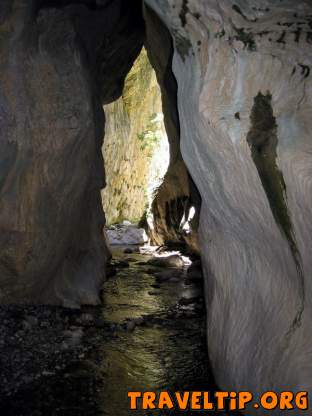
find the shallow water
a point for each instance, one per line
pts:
(165, 352)
(168, 355)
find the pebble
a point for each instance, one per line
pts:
(32, 320)
(111, 271)
(122, 264)
(173, 275)
(139, 321)
(99, 323)
(128, 251)
(130, 326)
(156, 286)
(188, 301)
(151, 271)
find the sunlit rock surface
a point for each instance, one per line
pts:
(135, 149)
(171, 218)
(126, 235)
(244, 99)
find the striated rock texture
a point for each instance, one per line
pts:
(52, 247)
(134, 132)
(244, 97)
(177, 194)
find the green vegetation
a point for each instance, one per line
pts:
(151, 136)
(137, 81)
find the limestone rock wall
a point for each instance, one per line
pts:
(52, 246)
(244, 97)
(134, 131)
(177, 196)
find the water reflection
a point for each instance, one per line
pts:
(167, 352)
(168, 355)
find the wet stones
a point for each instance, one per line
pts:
(153, 292)
(38, 342)
(72, 338)
(150, 271)
(29, 322)
(122, 264)
(168, 275)
(128, 250)
(194, 272)
(111, 271)
(155, 286)
(130, 326)
(169, 261)
(189, 301)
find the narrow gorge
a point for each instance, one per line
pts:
(185, 125)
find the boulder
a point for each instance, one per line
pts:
(194, 271)
(127, 235)
(169, 261)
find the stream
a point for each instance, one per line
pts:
(168, 353)
(146, 336)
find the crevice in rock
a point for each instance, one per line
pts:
(177, 185)
(262, 139)
(238, 10)
(136, 149)
(183, 12)
(246, 37)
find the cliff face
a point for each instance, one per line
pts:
(244, 101)
(176, 206)
(52, 60)
(139, 182)
(134, 135)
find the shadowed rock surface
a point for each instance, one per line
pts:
(52, 248)
(177, 194)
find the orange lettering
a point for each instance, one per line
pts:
(221, 396)
(195, 403)
(244, 397)
(134, 395)
(286, 400)
(207, 403)
(182, 402)
(233, 400)
(148, 400)
(165, 400)
(269, 400)
(302, 400)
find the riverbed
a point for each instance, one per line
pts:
(147, 335)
